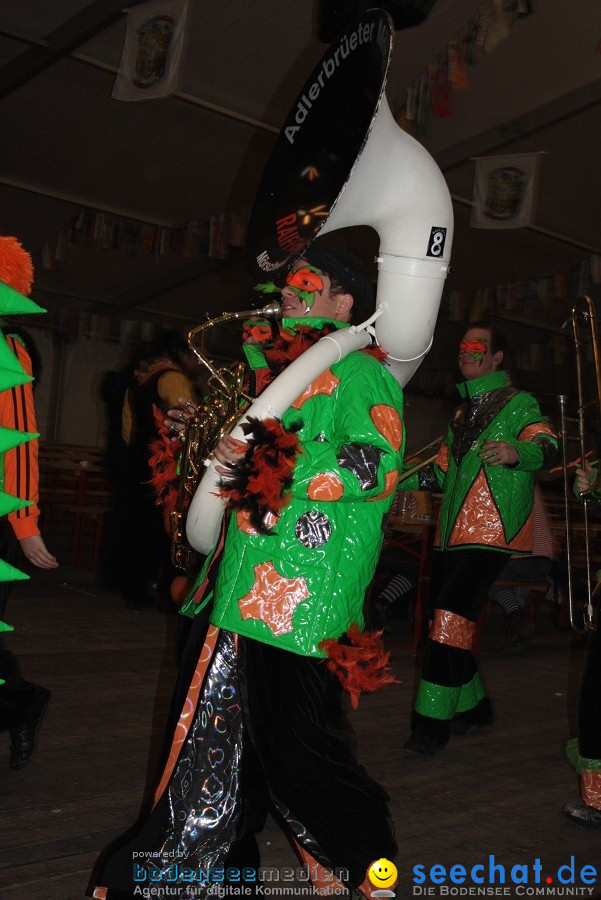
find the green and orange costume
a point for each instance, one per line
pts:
(18, 457)
(277, 615)
(486, 515)
(305, 581)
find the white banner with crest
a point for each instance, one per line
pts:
(504, 191)
(153, 49)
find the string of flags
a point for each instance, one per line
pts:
(529, 302)
(429, 95)
(77, 325)
(111, 233)
(525, 299)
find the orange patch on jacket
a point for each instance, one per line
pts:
(273, 598)
(244, 524)
(531, 431)
(325, 486)
(388, 422)
(326, 383)
(479, 521)
(442, 457)
(392, 479)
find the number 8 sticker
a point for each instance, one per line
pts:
(436, 243)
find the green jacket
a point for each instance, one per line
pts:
(306, 582)
(488, 506)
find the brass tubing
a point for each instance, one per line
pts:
(212, 419)
(424, 463)
(582, 313)
(567, 512)
(271, 310)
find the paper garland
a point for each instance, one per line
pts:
(429, 95)
(107, 232)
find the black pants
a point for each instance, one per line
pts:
(589, 715)
(450, 684)
(296, 760)
(16, 693)
(145, 551)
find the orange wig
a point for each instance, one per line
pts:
(16, 266)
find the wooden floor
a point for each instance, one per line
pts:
(497, 792)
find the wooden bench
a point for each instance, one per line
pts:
(87, 519)
(73, 483)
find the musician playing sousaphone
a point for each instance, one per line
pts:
(305, 478)
(284, 597)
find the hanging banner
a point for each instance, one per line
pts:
(504, 191)
(153, 49)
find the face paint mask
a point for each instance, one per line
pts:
(476, 348)
(256, 332)
(306, 282)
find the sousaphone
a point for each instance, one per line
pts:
(340, 161)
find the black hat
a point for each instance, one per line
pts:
(342, 266)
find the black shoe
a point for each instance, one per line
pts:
(423, 744)
(472, 720)
(463, 724)
(24, 736)
(582, 814)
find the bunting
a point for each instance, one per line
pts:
(429, 95)
(525, 299)
(110, 233)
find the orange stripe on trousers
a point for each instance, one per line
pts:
(453, 630)
(189, 708)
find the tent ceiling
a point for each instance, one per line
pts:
(67, 144)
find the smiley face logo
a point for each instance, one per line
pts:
(382, 873)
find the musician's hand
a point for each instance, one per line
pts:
(37, 553)
(498, 453)
(177, 418)
(228, 452)
(586, 478)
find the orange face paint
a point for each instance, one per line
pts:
(307, 281)
(476, 348)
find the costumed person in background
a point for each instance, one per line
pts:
(497, 440)
(258, 720)
(584, 752)
(164, 372)
(22, 703)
